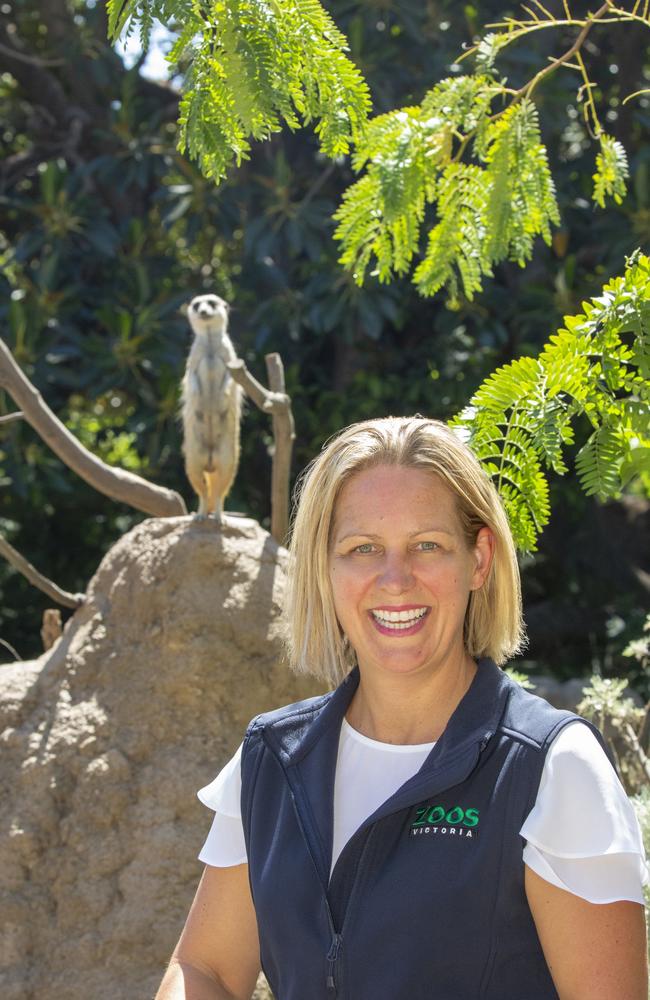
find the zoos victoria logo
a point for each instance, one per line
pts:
(438, 820)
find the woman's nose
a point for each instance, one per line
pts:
(396, 574)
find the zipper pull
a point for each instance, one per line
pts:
(332, 957)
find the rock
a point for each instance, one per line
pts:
(105, 740)
(561, 694)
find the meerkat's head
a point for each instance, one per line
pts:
(208, 314)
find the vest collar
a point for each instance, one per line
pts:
(474, 720)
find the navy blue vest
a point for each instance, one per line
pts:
(427, 898)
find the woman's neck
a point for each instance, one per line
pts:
(409, 709)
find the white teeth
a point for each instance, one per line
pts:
(399, 619)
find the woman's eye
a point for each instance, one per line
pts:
(429, 546)
(364, 548)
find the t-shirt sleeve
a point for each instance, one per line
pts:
(582, 834)
(224, 845)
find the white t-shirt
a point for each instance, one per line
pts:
(581, 835)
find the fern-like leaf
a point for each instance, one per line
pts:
(598, 463)
(521, 201)
(488, 49)
(455, 242)
(255, 65)
(612, 171)
(521, 418)
(400, 149)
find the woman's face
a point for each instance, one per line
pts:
(401, 571)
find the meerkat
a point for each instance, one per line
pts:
(211, 406)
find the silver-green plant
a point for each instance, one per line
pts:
(626, 726)
(624, 723)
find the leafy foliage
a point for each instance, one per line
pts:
(252, 66)
(596, 366)
(472, 146)
(641, 803)
(488, 211)
(520, 678)
(606, 704)
(612, 171)
(105, 233)
(640, 648)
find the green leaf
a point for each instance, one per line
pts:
(521, 418)
(612, 171)
(254, 66)
(455, 243)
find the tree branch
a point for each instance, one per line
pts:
(9, 418)
(526, 28)
(284, 435)
(32, 60)
(31, 573)
(528, 88)
(277, 403)
(3, 642)
(119, 484)
(263, 399)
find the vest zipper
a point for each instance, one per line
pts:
(337, 939)
(332, 958)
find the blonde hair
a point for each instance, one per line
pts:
(493, 622)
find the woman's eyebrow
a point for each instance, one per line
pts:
(356, 534)
(420, 531)
(431, 530)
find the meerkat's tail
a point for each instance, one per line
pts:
(208, 497)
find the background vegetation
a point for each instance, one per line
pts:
(106, 230)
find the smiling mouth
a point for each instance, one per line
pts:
(393, 622)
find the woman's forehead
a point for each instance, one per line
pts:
(390, 490)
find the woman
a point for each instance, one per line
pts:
(429, 829)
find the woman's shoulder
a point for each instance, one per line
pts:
(294, 710)
(534, 720)
(291, 723)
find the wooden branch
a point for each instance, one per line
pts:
(118, 484)
(577, 45)
(520, 28)
(277, 403)
(3, 642)
(32, 60)
(23, 566)
(284, 434)
(253, 389)
(9, 418)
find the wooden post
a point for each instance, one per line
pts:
(277, 403)
(284, 434)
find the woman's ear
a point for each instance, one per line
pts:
(484, 554)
